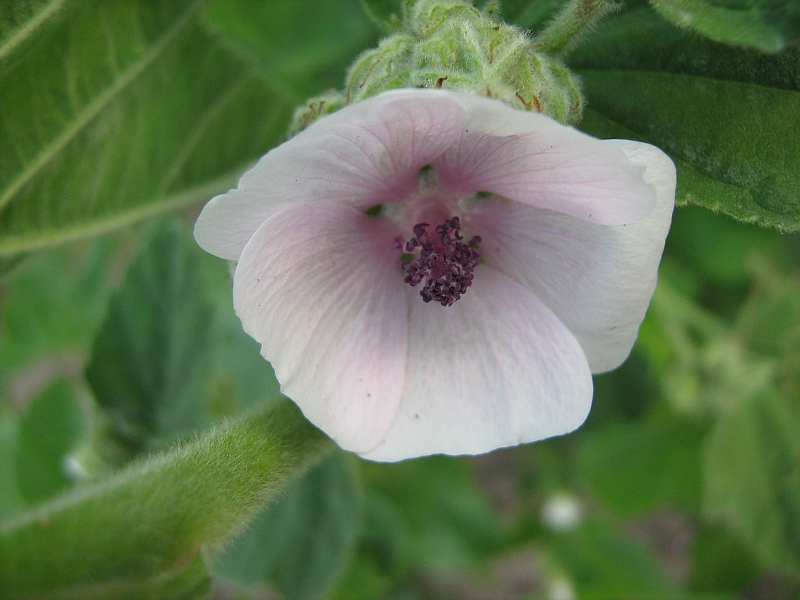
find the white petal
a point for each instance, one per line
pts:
(229, 220)
(598, 279)
(364, 154)
(495, 369)
(532, 159)
(321, 289)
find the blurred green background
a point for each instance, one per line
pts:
(119, 119)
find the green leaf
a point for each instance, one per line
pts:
(645, 465)
(49, 430)
(623, 394)
(121, 111)
(719, 248)
(302, 543)
(449, 521)
(187, 582)
(384, 13)
(242, 378)
(304, 47)
(73, 280)
(149, 366)
(719, 562)
(604, 563)
(153, 518)
(11, 499)
(770, 322)
(752, 479)
(8, 264)
(706, 366)
(730, 118)
(21, 21)
(762, 25)
(530, 14)
(380, 554)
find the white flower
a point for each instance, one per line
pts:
(563, 234)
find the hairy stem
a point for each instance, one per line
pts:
(157, 515)
(575, 20)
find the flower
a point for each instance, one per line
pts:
(544, 244)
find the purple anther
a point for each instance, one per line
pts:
(446, 264)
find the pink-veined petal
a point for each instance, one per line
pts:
(532, 159)
(495, 369)
(321, 289)
(598, 279)
(364, 154)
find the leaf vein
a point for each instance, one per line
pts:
(27, 30)
(94, 108)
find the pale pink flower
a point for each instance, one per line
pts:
(571, 232)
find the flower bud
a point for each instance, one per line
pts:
(450, 44)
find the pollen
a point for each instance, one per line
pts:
(444, 261)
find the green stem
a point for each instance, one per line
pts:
(575, 20)
(156, 516)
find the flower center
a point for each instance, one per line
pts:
(445, 262)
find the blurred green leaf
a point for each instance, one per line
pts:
(11, 499)
(770, 322)
(768, 25)
(187, 582)
(49, 430)
(449, 522)
(752, 478)
(149, 366)
(603, 563)
(21, 20)
(303, 47)
(624, 394)
(718, 248)
(730, 118)
(37, 295)
(706, 366)
(119, 112)
(142, 526)
(241, 376)
(719, 562)
(644, 465)
(302, 543)
(385, 13)
(8, 264)
(381, 554)
(530, 14)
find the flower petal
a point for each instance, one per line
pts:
(229, 220)
(364, 154)
(495, 369)
(321, 289)
(598, 279)
(532, 159)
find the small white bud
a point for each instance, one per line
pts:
(562, 512)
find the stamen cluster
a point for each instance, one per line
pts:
(445, 262)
